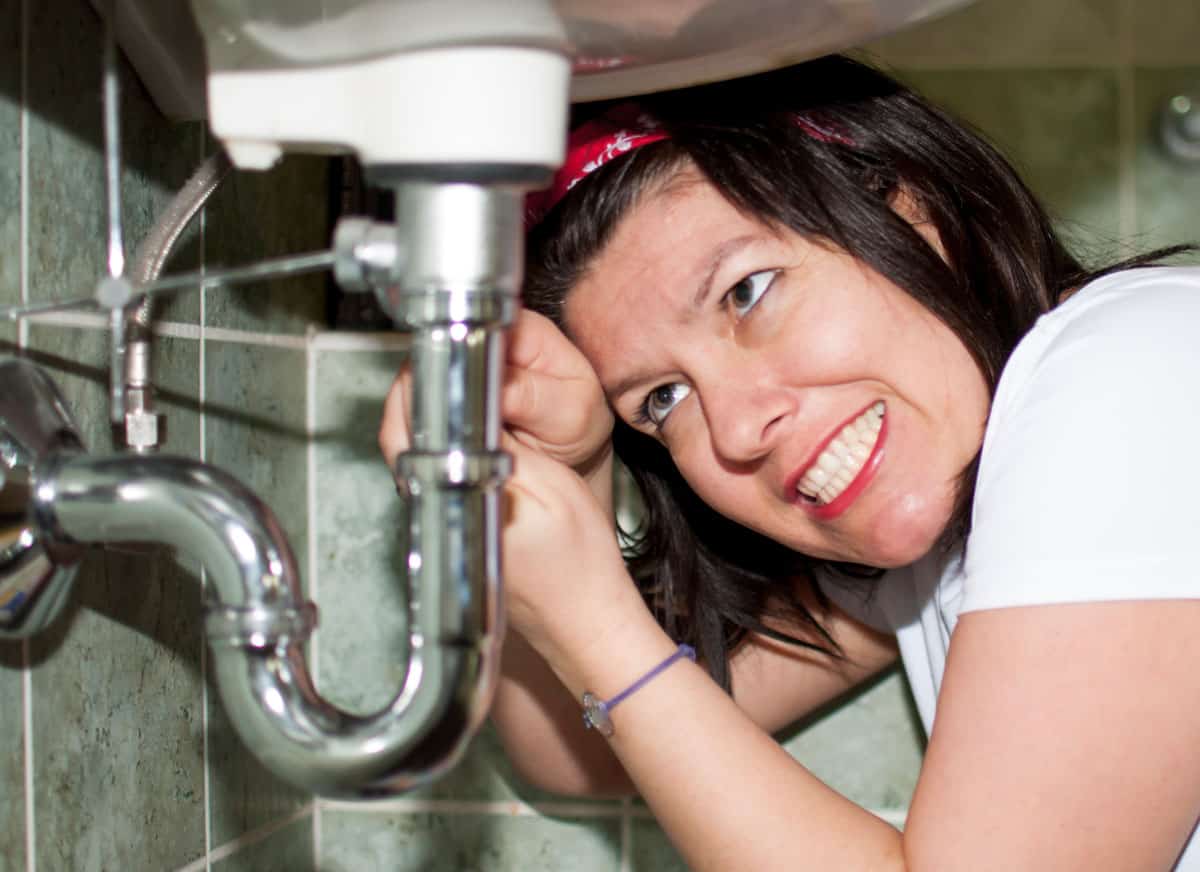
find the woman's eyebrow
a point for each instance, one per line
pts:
(723, 252)
(625, 385)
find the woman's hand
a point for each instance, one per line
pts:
(558, 427)
(561, 560)
(551, 400)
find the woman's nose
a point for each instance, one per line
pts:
(745, 417)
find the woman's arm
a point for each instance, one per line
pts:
(1061, 728)
(541, 724)
(1067, 737)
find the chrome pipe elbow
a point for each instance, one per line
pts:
(257, 628)
(455, 288)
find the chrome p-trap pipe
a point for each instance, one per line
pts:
(455, 287)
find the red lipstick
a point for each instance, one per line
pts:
(829, 511)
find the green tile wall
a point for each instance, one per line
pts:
(10, 156)
(1058, 127)
(254, 420)
(12, 657)
(456, 843)
(1167, 194)
(134, 765)
(255, 215)
(286, 849)
(117, 716)
(12, 758)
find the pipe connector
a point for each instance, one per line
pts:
(453, 469)
(1179, 127)
(366, 254)
(260, 627)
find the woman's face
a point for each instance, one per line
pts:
(763, 361)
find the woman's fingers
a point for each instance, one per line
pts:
(535, 342)
(395, 431)
(568, 418)
(551, 395)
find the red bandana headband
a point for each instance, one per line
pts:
(618, 131)
(590, 146)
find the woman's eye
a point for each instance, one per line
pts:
(660, 401)
(745, 295)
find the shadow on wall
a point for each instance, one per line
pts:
(63, 84)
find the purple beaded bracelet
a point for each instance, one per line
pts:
(595, 710)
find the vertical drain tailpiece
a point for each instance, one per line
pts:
(455, 287)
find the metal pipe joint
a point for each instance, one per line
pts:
(455, 288)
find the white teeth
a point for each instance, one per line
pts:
(843, 459)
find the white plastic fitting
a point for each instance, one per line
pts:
(459, 105)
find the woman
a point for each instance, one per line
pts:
(872, 405)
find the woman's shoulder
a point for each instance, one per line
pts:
(1141, 317)
(1074, 442)
(1127, 301)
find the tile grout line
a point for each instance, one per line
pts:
(519, 808)
(310, 424)
(246, 840)
(495, 807)
(27, 717)
(22, 341)
(173, 329)
(201, 364)
(361, 340)
(626, 835)
(321, 340)
(23, 196)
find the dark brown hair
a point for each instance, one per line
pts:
(709, 580)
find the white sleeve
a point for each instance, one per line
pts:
(1089, 483)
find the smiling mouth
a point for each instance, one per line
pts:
(841, 461)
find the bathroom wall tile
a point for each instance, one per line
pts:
(1165, 32)
(254, 414)
(1008, 33)
(10, 154)
(256, 215)
(361, 527)
(66, 183)
(12, 758)
(160, 156)
(118, 749)
(1168, 190)
(351, 841)
(651, 850)
(77, 361)
(290, 849)
(66, 166)
(1058, 127)
(175, 371)
(868, 748)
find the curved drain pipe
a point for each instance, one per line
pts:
(455, 271)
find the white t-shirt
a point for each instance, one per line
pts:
(1088, 485)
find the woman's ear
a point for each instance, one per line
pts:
(909, 207)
